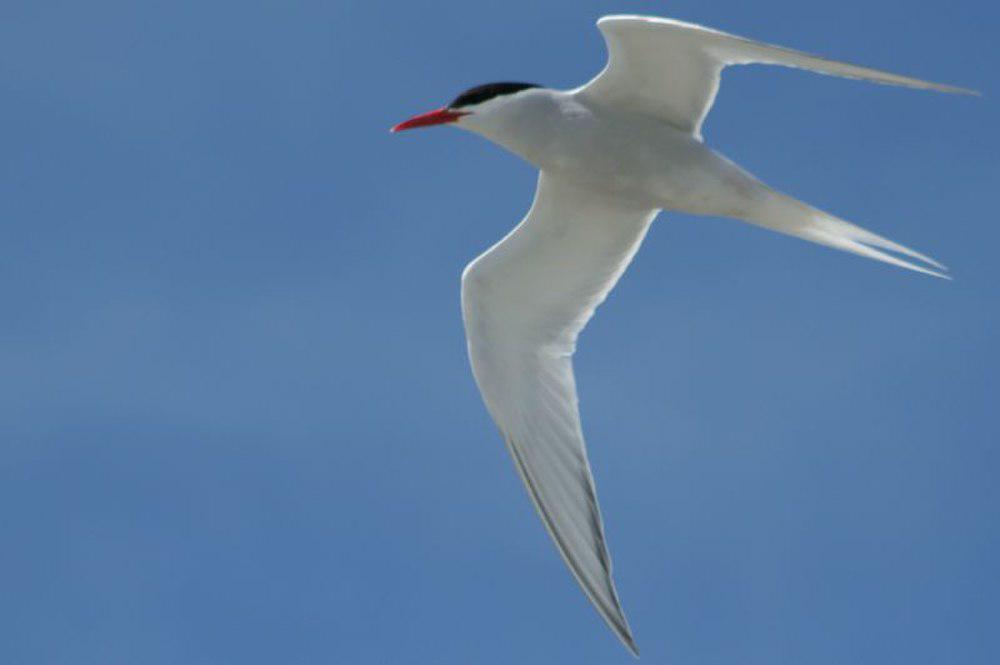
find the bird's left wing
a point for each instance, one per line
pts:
(524, 301)
(670, 69)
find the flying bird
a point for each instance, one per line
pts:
(611, 155)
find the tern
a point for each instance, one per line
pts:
(611, 155)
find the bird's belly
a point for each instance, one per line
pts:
(656, 165)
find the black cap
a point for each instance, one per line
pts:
(481, 93)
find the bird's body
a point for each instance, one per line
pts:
(611, 155)
(622, 153)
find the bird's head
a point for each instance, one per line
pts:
(474, 109)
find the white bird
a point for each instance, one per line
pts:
(611, 154)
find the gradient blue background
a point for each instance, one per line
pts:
(236, 419)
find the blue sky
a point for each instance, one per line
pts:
(236, 419)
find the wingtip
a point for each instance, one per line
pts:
(957, 90)
(624, 633)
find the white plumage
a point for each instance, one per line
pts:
(612, 154)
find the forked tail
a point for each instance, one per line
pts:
(786, 215)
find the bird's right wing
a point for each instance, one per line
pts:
(670, 69)
(524, 302)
